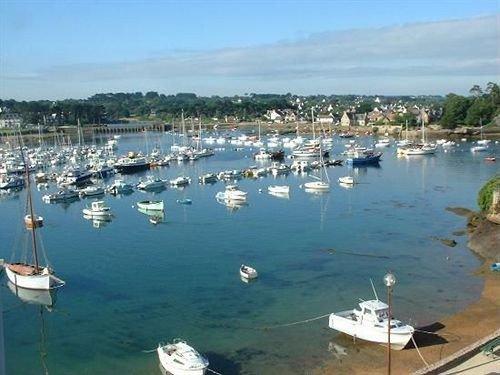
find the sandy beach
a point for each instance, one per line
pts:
(452, 333)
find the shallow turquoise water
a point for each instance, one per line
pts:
(131, 284)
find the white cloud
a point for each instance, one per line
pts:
(455, 48)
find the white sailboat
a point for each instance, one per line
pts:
(321, 185)
(31, 275)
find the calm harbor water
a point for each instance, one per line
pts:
(131, 284)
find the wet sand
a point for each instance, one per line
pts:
(454, 332)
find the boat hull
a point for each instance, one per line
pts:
(151, 206)
(43, 281)
(128, 169)
(352, 328)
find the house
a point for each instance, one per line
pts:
(275, 115)
(10, 120)
(354, 119)
(325, 119)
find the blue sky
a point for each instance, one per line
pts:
(63, 49)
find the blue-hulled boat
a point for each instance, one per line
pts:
(365, 157)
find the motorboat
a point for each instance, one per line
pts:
(479, 148)
(151, 183)
(151, 205)
(120, 187)
(364, 157)
(348, 180)
(180, 181)
(263, 154)
(91, 191)
(11, 182)
(385, 142)
(97, 209)
(74, 177)
(61, 196)
(370, 323)
(207, 178)
(317, 186)
(132, 163)
(178, 358)
(278, 189)
(232, 193)
(248, 272)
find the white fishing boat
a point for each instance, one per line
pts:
(348, 180)
(248, 272)
(178, 358)
(26, 274)
(151, 205)
(232, 193)
(278, 189)
(97, 209)
(370, 323)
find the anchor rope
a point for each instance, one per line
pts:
(418, 351)
(295, 323)
(437, 333)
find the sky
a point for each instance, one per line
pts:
(74, 49)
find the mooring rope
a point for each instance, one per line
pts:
(295, 323)
(148, 351)
(215, 372)
(418, 351)
(333, 251)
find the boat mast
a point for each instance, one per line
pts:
(312, 119)
(30, 205)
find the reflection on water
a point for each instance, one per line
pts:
(136, 283)
(45, 298)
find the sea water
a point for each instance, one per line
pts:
(131, 284)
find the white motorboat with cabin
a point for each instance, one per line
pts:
(232, 193)
(151, 183)
(370, 323)
(91, 191)
(97, 209)
(178, 358)
(248, 272)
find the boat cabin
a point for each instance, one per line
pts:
(373, 311)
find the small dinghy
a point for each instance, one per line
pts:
(151, 205)
(178, 358)
(248, 272)
(36, 222)
(184, 201)
(490, 158)
(495, 267)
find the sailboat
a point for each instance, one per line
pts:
(321, 184)
(482, 144)
(31, 275)
(421, 149)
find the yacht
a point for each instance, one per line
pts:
(131, 163)
(178, 358)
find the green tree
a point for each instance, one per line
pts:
(485, 195)
(454, 111)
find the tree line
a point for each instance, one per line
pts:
(478, 108)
